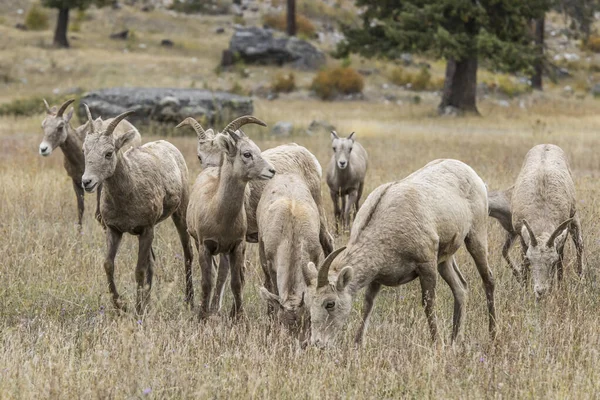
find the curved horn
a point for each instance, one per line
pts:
(323, 277)
(350, 136)
(241, 121)
(62, 108)
(194, 124)
(532, 237)
(558, 231)
(90, 119)
(48, 110)
(113, 124)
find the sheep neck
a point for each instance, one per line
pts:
(71, 149)
(362, 267)
(230, 192)
(121, 182)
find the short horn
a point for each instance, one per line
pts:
(241, 121)
(90, 119)
(532, 237)
(48, 110)
(558, 231)
(62, 108)
(113, 124)
(323, 277)
(194, 124)
(350, 136)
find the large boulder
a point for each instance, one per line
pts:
(165, 105)
(260, 46)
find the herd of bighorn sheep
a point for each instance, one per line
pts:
(405, 230)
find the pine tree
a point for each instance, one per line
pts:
(62, 22)
(461, 31)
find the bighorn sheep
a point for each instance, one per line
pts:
(216, 215)
(58, 132)
(288, 158)
(542, 209)
(142, 187)
(405, 230)
(346, 177)
(288, 226)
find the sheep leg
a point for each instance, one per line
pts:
(113, 240)
(206, 267)
(370, 294)
(526, 270)
(97, 214)
(427, 278)
(476, 243)
(575, 230)
(350, 204)
(80, 204)
(144, 269)
(267, 273)
(179, 220)
(517, 272)
(337, 212)
(236, 260)
(358, 196)
(222, 273)
(559, 264)
(344, 212)
(451, 274)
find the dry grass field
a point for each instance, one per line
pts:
(60, 337)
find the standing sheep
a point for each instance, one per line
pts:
(406, 230)
(216, 217)
(543, 209)
(142, 187)
(346, 177)
(288, 226)
(58, 132)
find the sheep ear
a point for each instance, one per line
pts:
(560, 239)
(120, 141)
(344, 278)
(350, 137)
(334, 135)
(226, 144)
(525, 235)
(69, 115)
(270, 297)
(310, 273)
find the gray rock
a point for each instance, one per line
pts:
(319, 126)
(406, 58)
(219, 30)
(282, 128)
(260, 46)
(596, 90)
(165, 105)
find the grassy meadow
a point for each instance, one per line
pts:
(61, 338)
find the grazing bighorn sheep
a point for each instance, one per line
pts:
(288, 226)
(405, 230)
(216, 217)
(58, 132)
(542, 210)
(287, 158)
(346, 177)
(141, 187)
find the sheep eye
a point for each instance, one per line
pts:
(108, 155)
(330, 305)
(199, 158)
(334, 149)
(247, 154)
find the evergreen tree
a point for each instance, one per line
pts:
(461, 31)
(62, 22)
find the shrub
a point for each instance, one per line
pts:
(328, 83)
(505, 85)
(593, 44)
(75, 26)
(418, 81)
(284, 83)
(36, 18)
(279, 22)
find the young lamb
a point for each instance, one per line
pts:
(542, 209)
(58, 133)
(216, 216)
(288, 226)
(346, 177)
(142, 187)
(406, 230)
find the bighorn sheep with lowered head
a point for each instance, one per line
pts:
(543, 209)
(287, 158)
(216, 217)
(405, 230)
(142, 187)
(346, 177)
(58, 132)
(288, 226)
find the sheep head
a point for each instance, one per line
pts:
(342, 147)
(209, 154)
(292, 312)
(543, 253)
(330, 300)
(100, 149)
(54, 126)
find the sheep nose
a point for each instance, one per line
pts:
(342, 163)
(272, 170)
(86, 182)
(43, 149)
(539, 291)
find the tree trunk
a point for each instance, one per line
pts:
(536, 78)
(460, 87)
(291, 17)
(62, 24)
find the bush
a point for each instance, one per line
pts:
(593, 44)
(36, 18)
(31, 105)
(75, 26)
(329, 83)
(279, 22)
(418, 81)
(284, 83)
(505, 85)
